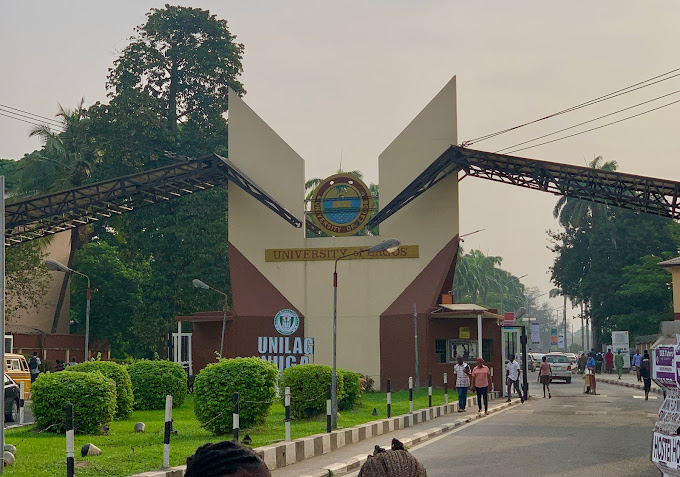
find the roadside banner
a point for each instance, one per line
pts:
(535, 333)
(509, 319)
(621, 342)
(553, 337)
(560, 341)
(663, 368)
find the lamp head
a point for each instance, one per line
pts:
(391, 245)
(55, 266)
(199, 284)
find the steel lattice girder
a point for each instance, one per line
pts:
(53, 213)
(628, 191)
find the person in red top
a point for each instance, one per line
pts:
(545, 375)
(481, 377)
(609, 361)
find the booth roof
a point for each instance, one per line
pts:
(463, 310)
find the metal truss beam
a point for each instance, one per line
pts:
(49, 214)
(628, 191)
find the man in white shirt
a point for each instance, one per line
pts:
(512, 377)
(462, 373)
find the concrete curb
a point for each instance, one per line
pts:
(342, 468)
(656, 389)
(282, 454)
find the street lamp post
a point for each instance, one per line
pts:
(55, 266)
(199, 284)
(390, 245)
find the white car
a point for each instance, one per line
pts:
(561, 366)
(572, 358)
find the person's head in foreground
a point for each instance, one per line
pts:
(396, 462)
(225, 459)
(480, 362)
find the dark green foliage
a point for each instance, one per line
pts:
(119, 375)
(153, 380)
(92, 394)
(253, 378)
(352, 389)
(116, 304)
(307, 383)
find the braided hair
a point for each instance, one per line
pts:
(396, 462)
(225, 459)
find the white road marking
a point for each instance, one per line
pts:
(642, 397)
(592, 412)
(649, 414)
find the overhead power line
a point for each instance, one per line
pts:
(613, 94)
(587, 122)
(593, 129)
(2, 113)
(32, 116)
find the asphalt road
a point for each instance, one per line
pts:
(572, 434)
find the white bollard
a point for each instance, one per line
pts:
(287, 424)
(168, 430)
(21, 402)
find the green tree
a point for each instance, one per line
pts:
(186, 59)
(26, 278)
(578, 212)
(116, 303)
(62, 163)
(479, 279)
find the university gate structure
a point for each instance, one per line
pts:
(282, 257)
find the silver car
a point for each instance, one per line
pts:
(561, 366)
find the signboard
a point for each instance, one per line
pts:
(464, 332)
(509, 319)
(553, 336)
(663, 368)
(666, 451)
(620, 342)
(560, 341)
(285, 350)
(333, 253)
(535, 333)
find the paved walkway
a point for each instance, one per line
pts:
(356, 453)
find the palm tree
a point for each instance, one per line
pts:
(62, 163)
(577, 212)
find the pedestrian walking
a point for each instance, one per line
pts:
(395, 462)
(545, 376)
(59, 366)
(481, 377)
(618, 363)
(646, 373)
(599, 362)
(512, 373)
(462, 373)
(609, 361)
(33, 366)
(225, 459)
(637, 361)
(582, 363)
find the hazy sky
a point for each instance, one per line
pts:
(348, 76)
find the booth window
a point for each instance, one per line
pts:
(487, 350)
(440, 351)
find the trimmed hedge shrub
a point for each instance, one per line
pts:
(153, 380)
(307, 383)
(253, 378)
(119, 375)
(352, 389)
(93, 397)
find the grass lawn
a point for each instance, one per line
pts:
(124, 452)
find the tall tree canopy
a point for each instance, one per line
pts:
(605, 259)
(184, 57)
(479, 279)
